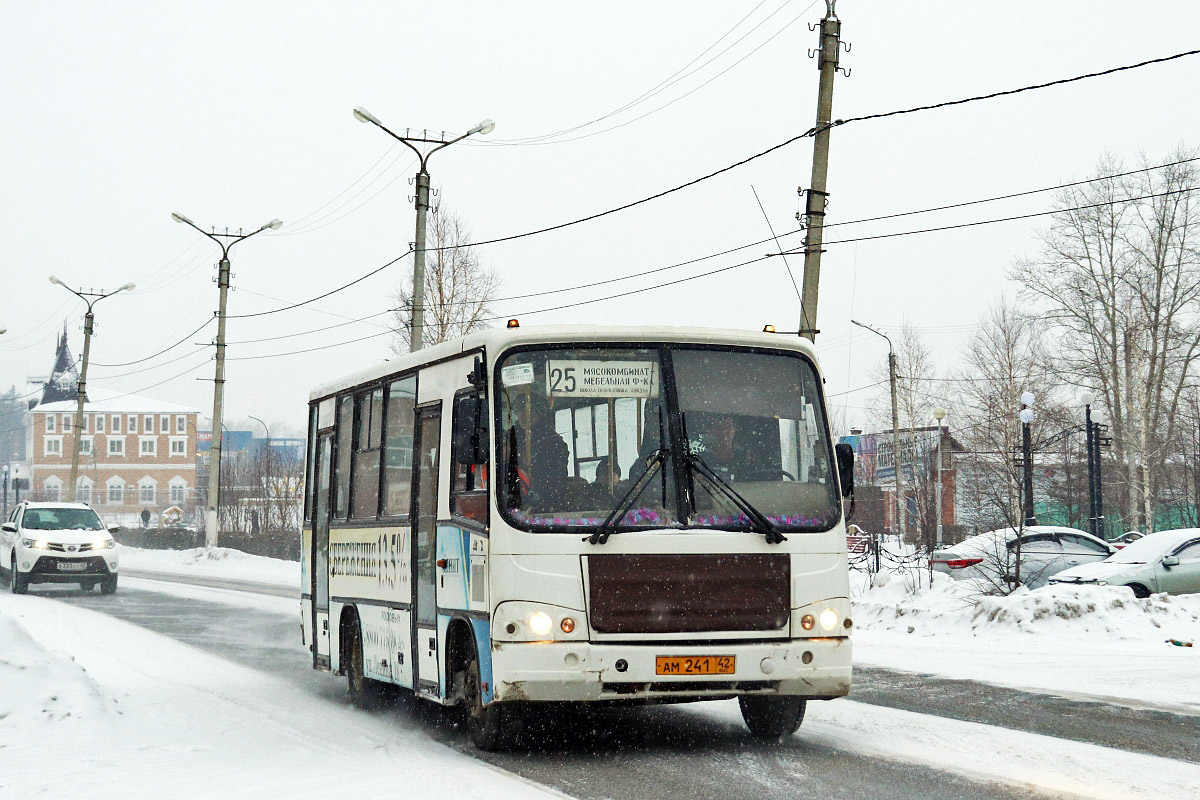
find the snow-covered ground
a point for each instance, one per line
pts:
(93, 707)
(217, 562)
(1081, 641)
(145, 716)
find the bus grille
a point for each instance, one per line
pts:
(689, 593)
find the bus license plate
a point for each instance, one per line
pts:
(694, 665)
(71, 566)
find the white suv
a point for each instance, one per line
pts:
(58, 543)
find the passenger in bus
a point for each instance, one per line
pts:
(548, 456)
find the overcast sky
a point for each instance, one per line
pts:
(117, 114)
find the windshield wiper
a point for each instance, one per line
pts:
(607, 528)
(761, 523)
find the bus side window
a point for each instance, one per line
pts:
(345, 435)
(368, 413)
(398, 447)
(468, 494)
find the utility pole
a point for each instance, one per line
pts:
(1026, 417)
(901, 500)
(416, 334)
(814, 207)
(89, 320)
(225, 241)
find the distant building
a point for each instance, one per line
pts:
(135, 452)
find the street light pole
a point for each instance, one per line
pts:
(266, 469)
(89, 320)
(417, 324)
(1026, 417)
(901, 500)
(225, 241)
(1088, 398)
(939, 414)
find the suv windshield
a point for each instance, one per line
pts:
(578, 428)
(61, 519)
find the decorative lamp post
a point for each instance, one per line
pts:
(417, 321)
(1026, 417)
(901, 501)
(89, 320)
(1088, 398)
(939, 414)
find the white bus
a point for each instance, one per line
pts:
(581, 514)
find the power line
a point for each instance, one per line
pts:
(807, 134)
(160, 352)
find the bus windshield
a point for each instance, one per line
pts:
(662, 437)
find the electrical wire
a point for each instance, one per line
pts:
(807, 134)
(160, 352)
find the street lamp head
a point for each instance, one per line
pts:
(939, 414)
(1087, 398)
(1027, 398)
(129, 287)
(485, 127)
(1099, 417)
(55, 280)
(181, 218)
(275, 224)
(362, 115)
(1026, 415)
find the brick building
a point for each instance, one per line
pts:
(136, 453)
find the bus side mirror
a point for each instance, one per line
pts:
(1171, 561)
(845, 465)
(469, 447)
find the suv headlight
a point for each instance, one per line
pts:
(104, 544)
(36, 544)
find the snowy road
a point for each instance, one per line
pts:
(844, 750)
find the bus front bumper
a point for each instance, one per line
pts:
(817, 668)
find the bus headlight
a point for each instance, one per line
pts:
(540, 623)
(829, 619)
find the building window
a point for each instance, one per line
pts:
(87, 422)
(116, 423)
(180, 423)
(146, 491)
(52, 489)
(85, 445)
(99, 423)
(116, 446)
(132, 423)
(83, 493)
(51, 423)
(148, 446)
(178, 493)
(178, 446)
(148, 424)
(164, 424)
(116, 491)
(68, 421)
(52, 445)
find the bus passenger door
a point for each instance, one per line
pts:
(427, 452)
(319, 557)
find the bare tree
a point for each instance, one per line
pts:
(459, 289)
(1119, 276)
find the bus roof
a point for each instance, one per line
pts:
(494, 340)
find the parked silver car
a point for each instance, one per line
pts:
(1166, 561)
(988, 561)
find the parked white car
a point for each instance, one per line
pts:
(1166, 561)
(988, 561)
(57, 543)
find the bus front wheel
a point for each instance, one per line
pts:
(772, 717)
(363, 691)
(488, 723)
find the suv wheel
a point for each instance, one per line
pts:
(108, 585)
(17, 582)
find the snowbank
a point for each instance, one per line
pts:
(1094, 642)
(216, 562)
(94, 707)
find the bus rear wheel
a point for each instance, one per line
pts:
(488, 724)
(772, 717)
(363, 691)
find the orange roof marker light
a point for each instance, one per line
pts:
(512, 323)
(768, 328)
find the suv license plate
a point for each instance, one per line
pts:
(71, 566)
(694, 665)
